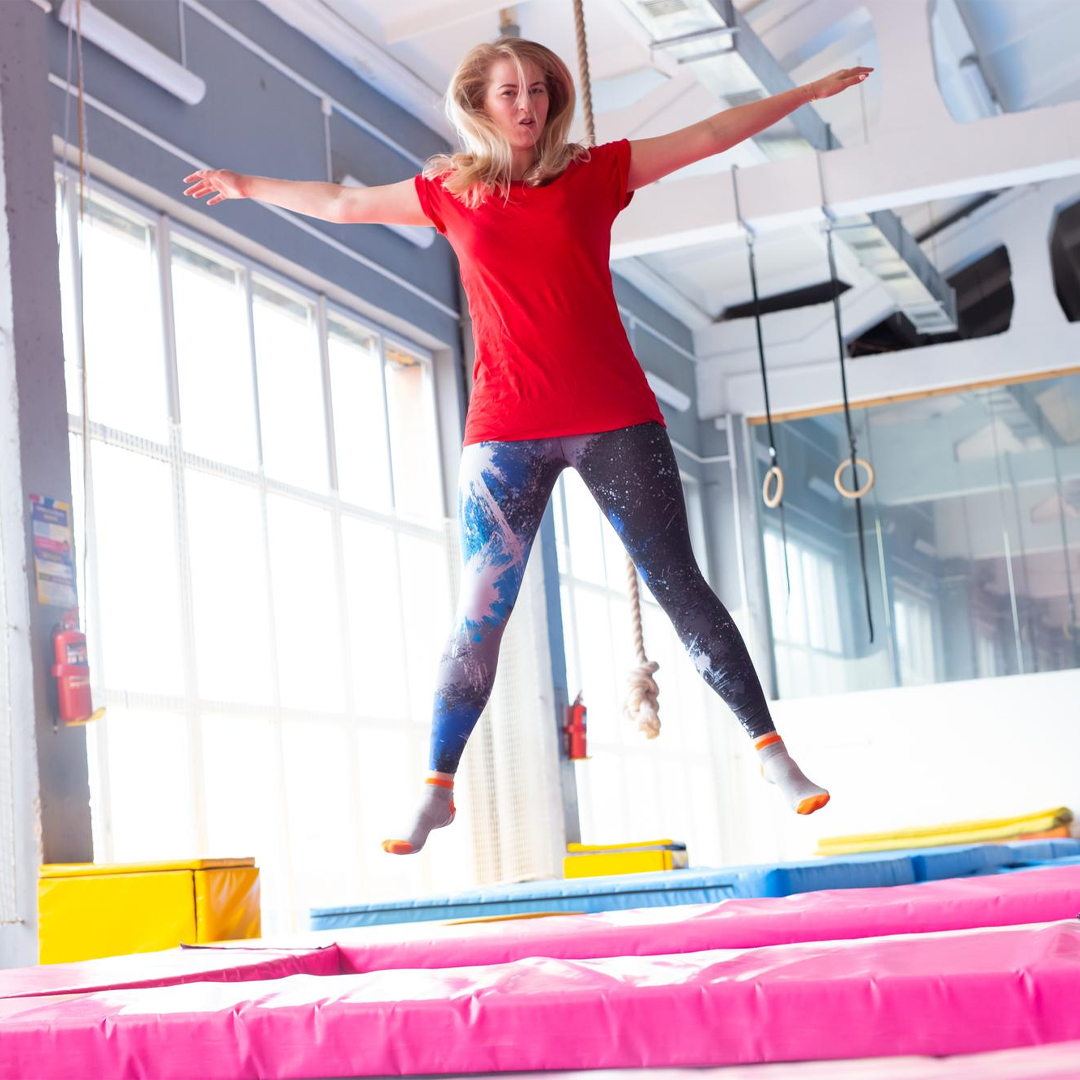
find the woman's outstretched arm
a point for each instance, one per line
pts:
(650, 159)
(388, 204)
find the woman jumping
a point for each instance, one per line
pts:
(556, 383)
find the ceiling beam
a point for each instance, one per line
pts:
(905, 167)
(427, 20)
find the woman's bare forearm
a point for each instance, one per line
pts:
(732, 126)
(316, 198)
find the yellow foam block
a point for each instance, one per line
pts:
(584, 860)
(89, 910)
(961, 832)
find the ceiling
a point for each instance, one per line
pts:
(992, 56)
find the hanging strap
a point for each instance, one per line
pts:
(775, 500)
(856, 493)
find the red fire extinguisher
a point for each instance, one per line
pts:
(575, 730)
(72, 672)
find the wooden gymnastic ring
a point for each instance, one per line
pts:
(777, 474)
(859, 492)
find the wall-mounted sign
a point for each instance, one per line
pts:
(54, 553)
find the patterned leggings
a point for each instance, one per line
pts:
(503, 490)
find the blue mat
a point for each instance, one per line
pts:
(703, 885)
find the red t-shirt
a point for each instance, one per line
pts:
(552, 357)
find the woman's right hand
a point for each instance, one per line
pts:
(225, 185)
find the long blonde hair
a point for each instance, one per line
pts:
(486, 164)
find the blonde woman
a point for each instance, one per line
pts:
(529, 215)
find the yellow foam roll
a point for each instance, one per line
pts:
(599, 860)
(962, 832)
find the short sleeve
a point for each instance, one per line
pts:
(431, 194)
(619, 172)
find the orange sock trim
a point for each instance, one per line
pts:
(815, 802)
(767, 740)
(397, 847)
(440, 783)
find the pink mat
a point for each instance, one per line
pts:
(830, 915)
(953, 904)
(168, 968)
(1057, 1061)
(944, 993)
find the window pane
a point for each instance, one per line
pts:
(583, 524)
(305, 606)
(137, 571)
(244, 809)
(377, 663)
(974, 520)
(425, 586)
(413, 438)
(322, 797)
(72, 363)
(229, 590)
(363, 457)
(290, 388)
(151, 809)
(213, 358)
(122, 323)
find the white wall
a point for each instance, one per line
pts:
(916, 756)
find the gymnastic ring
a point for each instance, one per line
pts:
(860, 492)
(777, 474)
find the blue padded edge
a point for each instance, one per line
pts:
(670, 888)
(667, 888)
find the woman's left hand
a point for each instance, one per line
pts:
(837, 81)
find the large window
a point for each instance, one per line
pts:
(633, 789)
(269, 576)
(805, 613)
(971, 532)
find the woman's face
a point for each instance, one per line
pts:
(519, 112)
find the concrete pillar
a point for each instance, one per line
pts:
(47, 795)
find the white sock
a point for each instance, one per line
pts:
(436, 810)
(778, 768)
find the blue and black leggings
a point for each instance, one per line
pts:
(503, 490)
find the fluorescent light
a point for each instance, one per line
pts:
(667, 393)
(416, 234)
(134, 51)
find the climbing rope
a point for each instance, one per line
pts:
(642, 692)
(641, 707)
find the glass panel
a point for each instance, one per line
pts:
(151, 809)
(213, 358)
(290, 388)
(322, 797)
(413, 437)
(135, 549)
(305, 606)
(974, 517)
(228, 582)
(363, 456)
(122, 323)
(583, 527)
(377, 661)
(244, 808)
(72, 364)
(428, 613)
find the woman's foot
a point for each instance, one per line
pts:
(436, 811)
(777, 766)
